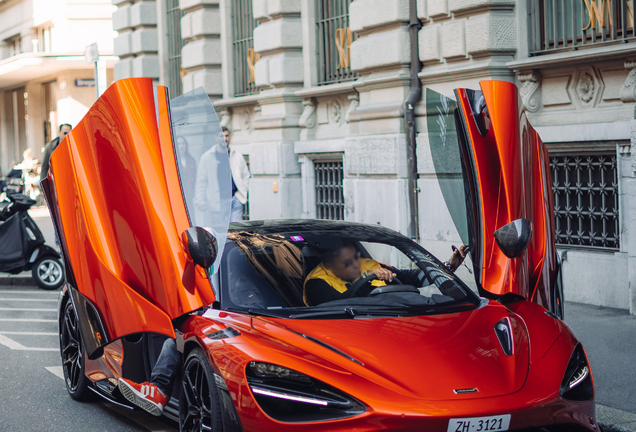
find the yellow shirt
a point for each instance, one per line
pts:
(321, 272)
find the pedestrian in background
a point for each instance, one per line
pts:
(48, 149)
(240, 178)
(30, 178)
(187, 168)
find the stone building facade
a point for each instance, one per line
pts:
(313, 92)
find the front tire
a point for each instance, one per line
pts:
(72, 350)
(48, 273)
(199, 405)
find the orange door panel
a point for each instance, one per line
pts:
(510, 166)
(115, 197)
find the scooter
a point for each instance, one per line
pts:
(22, 245)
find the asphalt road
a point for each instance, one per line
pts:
(33, 395)
(609, 338)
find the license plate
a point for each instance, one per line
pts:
(480, 424)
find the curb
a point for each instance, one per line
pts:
(17, 281)
(614, 419)
(613, 428)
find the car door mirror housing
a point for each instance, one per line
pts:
(201, 246)
(513, 238)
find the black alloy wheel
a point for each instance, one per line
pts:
(199, 405)
(48, 273)
(72, 350)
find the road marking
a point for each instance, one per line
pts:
(27, 300)
(11, 344)
(29, 333)
(28, 309)
(58, 371)
(27, 320)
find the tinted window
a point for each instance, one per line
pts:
(269, 273)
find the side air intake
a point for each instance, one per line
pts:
(504, 334)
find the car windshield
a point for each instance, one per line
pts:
(203, 164)
(305, 275)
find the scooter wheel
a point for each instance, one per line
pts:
(48, 273)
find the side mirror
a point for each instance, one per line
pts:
(514, 237)
(200, 245)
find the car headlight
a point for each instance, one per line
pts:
(577, 382)
(267, 370)
(290, 396)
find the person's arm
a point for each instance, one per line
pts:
(457, 257)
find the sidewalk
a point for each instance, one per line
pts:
(609, 338)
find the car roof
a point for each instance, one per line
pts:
(317, 227)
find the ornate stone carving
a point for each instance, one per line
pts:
(335, 110)
(628, 90)
(625, 150)
(353, 105)
(529, 96)
(308, 118)
(585, 87)
(226, 118)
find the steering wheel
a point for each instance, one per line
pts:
(362, 281)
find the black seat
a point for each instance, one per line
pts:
(311, 259)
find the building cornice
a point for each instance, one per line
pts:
(326, 90)
(28, 66)
(465, 70)
(588, 55)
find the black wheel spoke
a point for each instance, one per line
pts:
(73, 374)
(202, 396)
(207, 412)
(198, 383)
(188, 390)
(71, 359)
(72, 345)
(197, 379)
(187, 420)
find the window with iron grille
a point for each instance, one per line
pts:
(333, 40)
(575, 24)
(329, 193)
(585, 189)
(175, 45)
(243, 25)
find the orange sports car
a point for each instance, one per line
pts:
(313, 325)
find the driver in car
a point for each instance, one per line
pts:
(342, 270)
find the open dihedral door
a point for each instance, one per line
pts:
(116, 199)
(493, 169)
